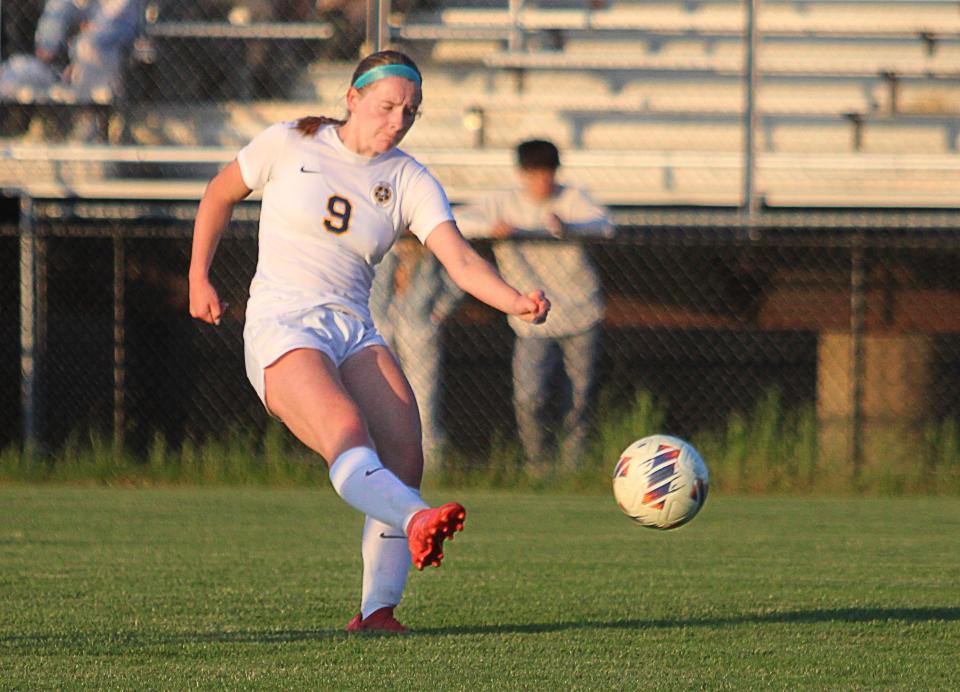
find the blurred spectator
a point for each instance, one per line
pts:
(24, 77)
(536, 225)
(80, 47)
(410, 298)
(95, 36)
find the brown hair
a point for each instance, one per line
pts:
(310, 124)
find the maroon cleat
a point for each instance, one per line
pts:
(429, 528)
(380, 620)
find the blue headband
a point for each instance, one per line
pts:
(382, 71)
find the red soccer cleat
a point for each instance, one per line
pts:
(429, 528)
(380, 620)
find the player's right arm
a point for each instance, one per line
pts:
(477, 277)
(216, 207)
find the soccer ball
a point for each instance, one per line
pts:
(660, 481)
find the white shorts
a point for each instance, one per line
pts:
(334, 332)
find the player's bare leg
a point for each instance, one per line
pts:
(377, 384)
(382, 392)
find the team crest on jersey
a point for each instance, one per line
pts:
(382, 193)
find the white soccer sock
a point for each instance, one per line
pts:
(386, 561)
(367, 485)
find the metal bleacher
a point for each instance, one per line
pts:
(850, 18)
(859, 105)
(623, 178)
(858, 101)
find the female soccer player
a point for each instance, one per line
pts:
(336, 195)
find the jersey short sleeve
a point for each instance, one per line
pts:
(424, 204)
(258, 157)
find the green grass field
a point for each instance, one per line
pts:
(229, 587)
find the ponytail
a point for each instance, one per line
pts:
(309, 125)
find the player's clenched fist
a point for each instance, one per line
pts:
(205, 304)
(533, 307)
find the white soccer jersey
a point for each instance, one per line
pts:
(328, 216)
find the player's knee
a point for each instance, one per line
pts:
(348, 426)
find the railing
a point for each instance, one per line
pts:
(620, 178)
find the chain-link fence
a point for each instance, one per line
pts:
(853, 322)
(850, 315)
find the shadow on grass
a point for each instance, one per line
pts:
(91, 643)
(839, 615)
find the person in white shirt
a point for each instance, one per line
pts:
(336, 195)
(97, 34)
(536, 226)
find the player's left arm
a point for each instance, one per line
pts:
(477, 277)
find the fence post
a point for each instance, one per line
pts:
(29, 300)
(119, 337)
(377, 13)
(515, 42)
(858, 282)
(750, 203)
